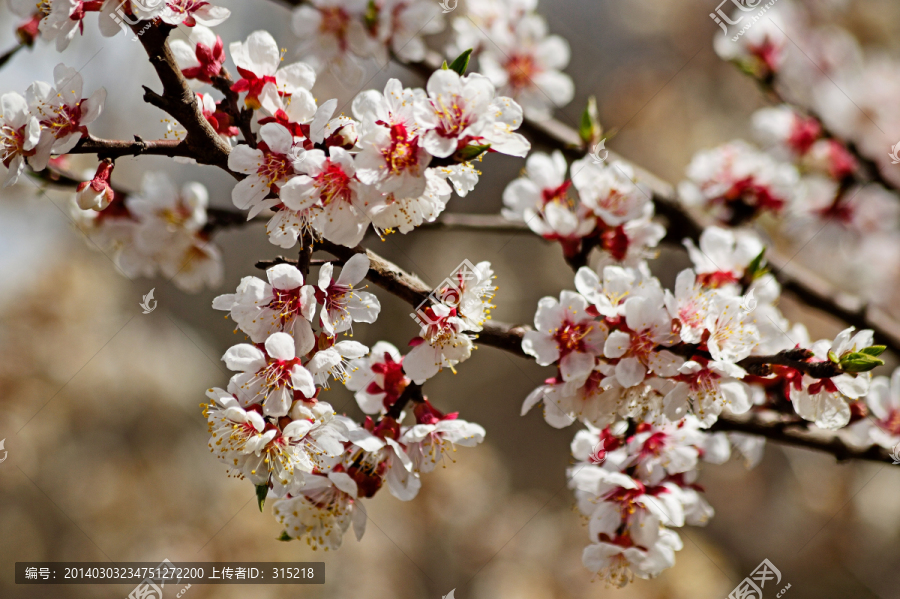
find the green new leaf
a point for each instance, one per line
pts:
(261, 492)
(371, 17)
(471, 152)
(589, 129)
(285, 536)
(856, 362)
(444, 66)
(461, 63)
(757, 267)
(874, 350)
(833, 357)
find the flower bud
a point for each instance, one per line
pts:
(97, 193)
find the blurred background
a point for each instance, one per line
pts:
(99, 403)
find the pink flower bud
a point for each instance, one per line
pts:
(97, 193)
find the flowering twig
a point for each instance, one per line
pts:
(205, 145)
(767, 84)
(411, 289)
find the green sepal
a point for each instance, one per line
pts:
(285, 536)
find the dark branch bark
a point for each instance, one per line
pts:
(796, 435)
(114, 148)
(179, 100)
(413, 392)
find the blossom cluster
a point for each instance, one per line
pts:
(158, 230)
(48, 120)
(341, 35)
(388, 165)
(628, 352)
(634, 484)
(60, 20)
(608, 208)
(271, 427)
(516, 52)
(809, 175)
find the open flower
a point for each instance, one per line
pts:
(322, 511)
(342, 303)
(525, 63)
(20, 133)
(332, 31)
(461, 111)
(326, 190)
(566, 332)
(267, 167)
(63, 113)
(283, 304)
(638, 349)
(272, 376)
(258, 61)
(436, 434)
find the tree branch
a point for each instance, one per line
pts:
(413, 290)
(413, 392)
(113, 148)
(799, 437)
(178, 99)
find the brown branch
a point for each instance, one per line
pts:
(114, 148)
(786, 433)
(411, 289)
(412, 392)
(178, 99)
(243, 117)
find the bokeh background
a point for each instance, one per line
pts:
(99, 402)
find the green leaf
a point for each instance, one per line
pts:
(757, 267)
(874, 350)
(856, 362)
(833, 357)
(371, 17)
(589, 129)
(471, 152)
(462, 62)
(261, 492)
(444, 66)
(285, 536)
